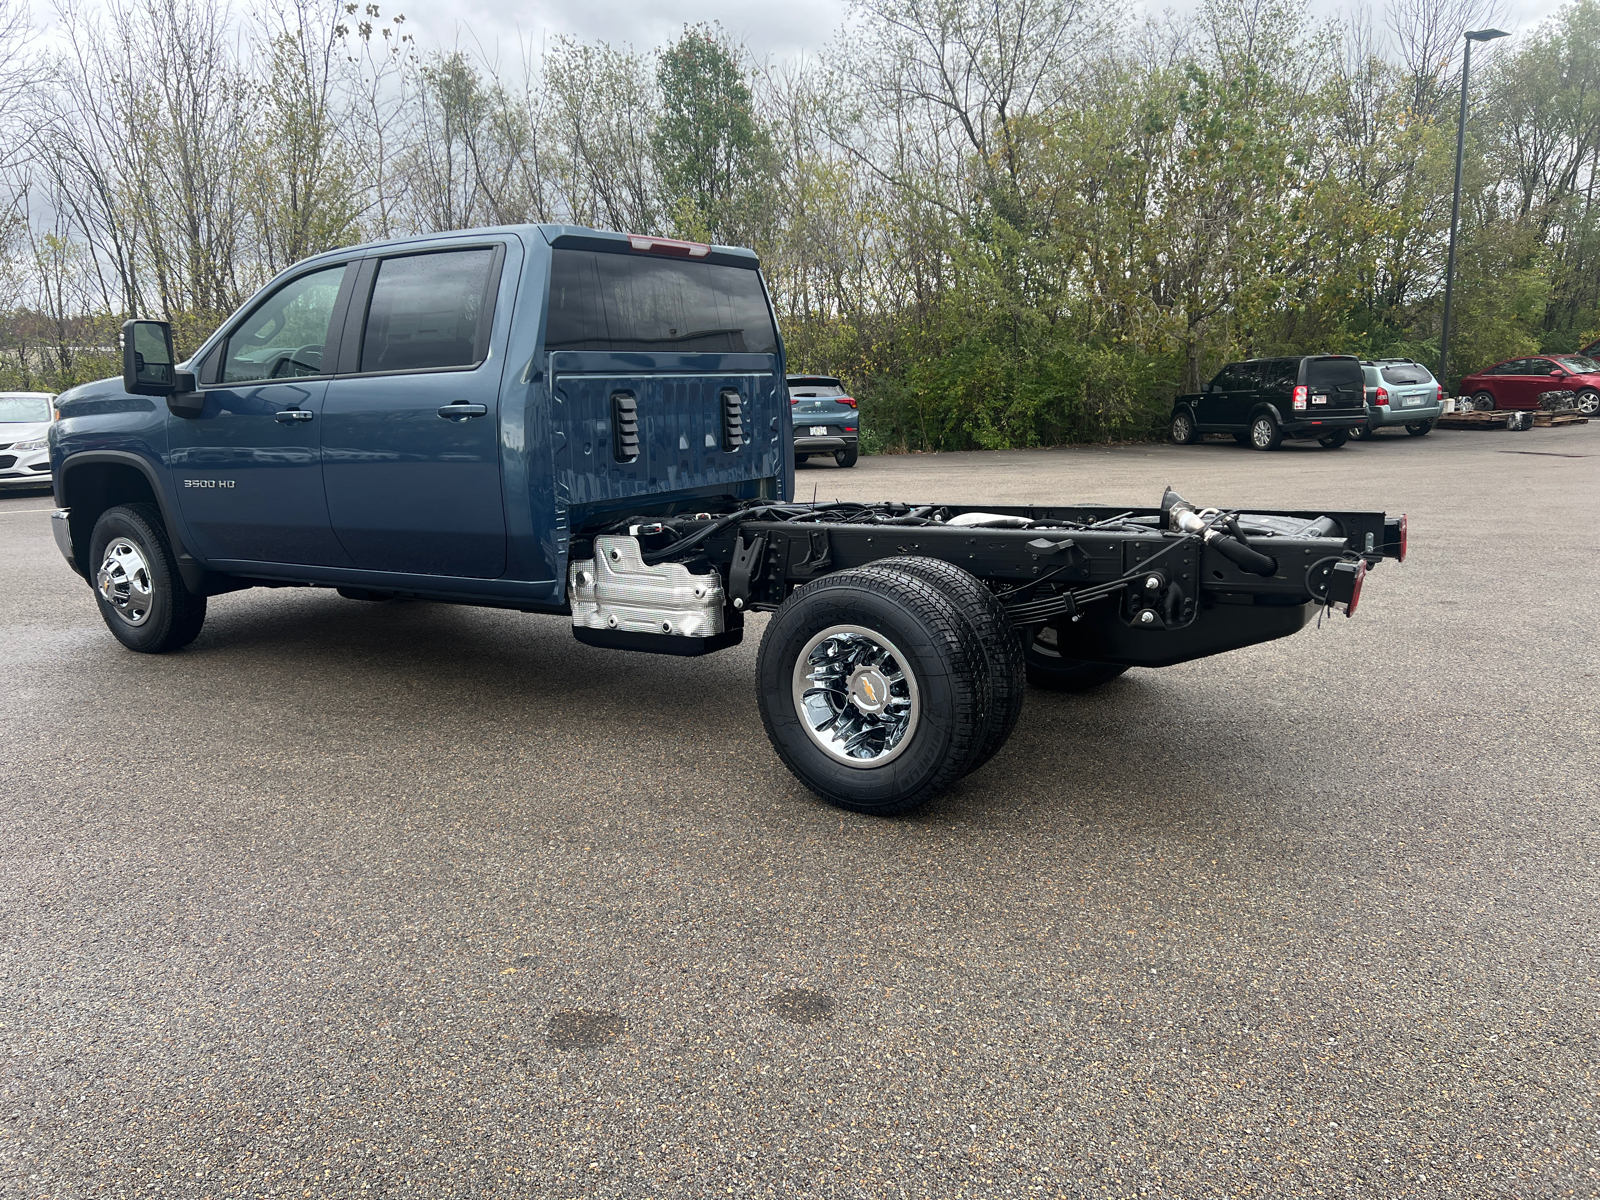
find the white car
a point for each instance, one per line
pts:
(24, 454)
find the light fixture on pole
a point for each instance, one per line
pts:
(1472, 35)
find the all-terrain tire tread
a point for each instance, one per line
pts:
(1002, 648)
(948, 628)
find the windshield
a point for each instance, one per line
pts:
(630, 302)
(1407, 373)
(822, 391)
(24, 408)
(1579, 365)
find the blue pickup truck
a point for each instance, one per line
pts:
(594, 425)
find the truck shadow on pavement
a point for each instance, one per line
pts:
(422, 673)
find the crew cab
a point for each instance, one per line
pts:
(1264, 401)
(562, 421)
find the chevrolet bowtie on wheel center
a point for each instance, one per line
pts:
(556, 420)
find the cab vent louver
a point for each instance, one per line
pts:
(625, 427)
(732, 420)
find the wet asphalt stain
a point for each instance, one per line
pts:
(582, 1029)
(801, 1005)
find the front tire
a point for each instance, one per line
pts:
(1589, 403)
(141, 596)
(1183, 430)
(1049, 670)
(871, 689)
(1332, 441)
(1364, 433)
(1265, 433)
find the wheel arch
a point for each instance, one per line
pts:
(92, 481)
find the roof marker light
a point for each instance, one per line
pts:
(672, 246)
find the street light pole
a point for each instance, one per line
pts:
(1472, 35)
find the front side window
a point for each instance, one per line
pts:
(634, 303)
(1232, 378)
(1579, 365)
(284, 336)
(429, 311)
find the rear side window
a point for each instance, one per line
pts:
(1336, 376)
(1281, 373)
(429, 311)
(627, 302)
(1409, 373)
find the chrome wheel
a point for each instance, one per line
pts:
(1589, 403)
(1261, 433)
(124, 581)
(855, 696)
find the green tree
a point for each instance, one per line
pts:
(713, 154)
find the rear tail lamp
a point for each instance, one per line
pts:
(1300, 394)
(655, 245)
(1441, 394)
(1344, 585)
(1395, 537)
(1382, 396)
(850, 400)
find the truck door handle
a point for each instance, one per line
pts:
(290, 415)
(460, 410)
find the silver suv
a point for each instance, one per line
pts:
(1400, 392)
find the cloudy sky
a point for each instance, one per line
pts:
(778, 28)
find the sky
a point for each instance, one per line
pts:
(776, 29)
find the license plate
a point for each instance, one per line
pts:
(1319, 399)
(819, 431)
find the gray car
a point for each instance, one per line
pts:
(1400, 392)
(24, 455)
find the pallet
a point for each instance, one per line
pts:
(1496, 419)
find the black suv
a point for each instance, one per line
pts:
(1265, 400)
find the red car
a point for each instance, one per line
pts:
(1520, 382)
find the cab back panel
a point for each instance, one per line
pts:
(680, 404)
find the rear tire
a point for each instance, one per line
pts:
(1049, 670)
(800, 458)
(846, 457)
(1265, 433)
(872, 637)
(1183, 431)
(1420, 428)
(1002, 650)
(1483, 402)
(141, 596)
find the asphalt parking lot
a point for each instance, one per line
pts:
(411, 900)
